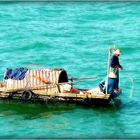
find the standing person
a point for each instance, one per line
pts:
(114, 71)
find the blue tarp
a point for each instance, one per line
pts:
(16, 74)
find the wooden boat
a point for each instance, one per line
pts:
(50, 85)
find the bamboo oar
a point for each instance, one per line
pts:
(107, 70)
(83, 78)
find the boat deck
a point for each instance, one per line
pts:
(41, 93)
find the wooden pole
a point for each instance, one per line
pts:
(83, 78)
(108, 70)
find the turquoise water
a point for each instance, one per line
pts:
(73, 36)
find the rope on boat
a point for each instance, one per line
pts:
(132, 84)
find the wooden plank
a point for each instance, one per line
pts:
(41, 90)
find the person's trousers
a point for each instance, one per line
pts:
(116, 86)
(112, 84)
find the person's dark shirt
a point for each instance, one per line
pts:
(114, 62)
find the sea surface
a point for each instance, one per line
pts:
(74, 36)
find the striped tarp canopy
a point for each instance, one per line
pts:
(38, 77)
